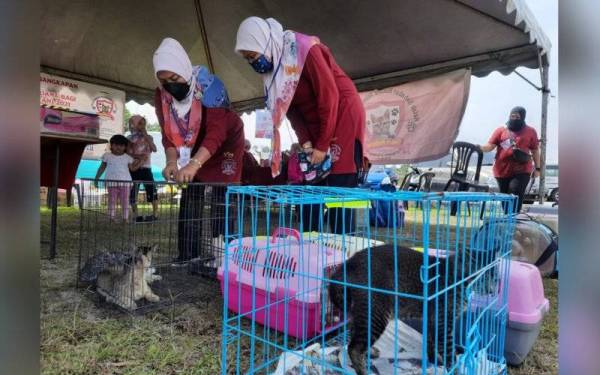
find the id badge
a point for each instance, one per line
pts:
(506, 144)
(185, 153)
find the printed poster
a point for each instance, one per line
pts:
(415, 121)
(264, 124)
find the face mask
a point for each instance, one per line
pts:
(262, 65)
(515, 125)
(179, 90)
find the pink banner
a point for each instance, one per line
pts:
(415, 121)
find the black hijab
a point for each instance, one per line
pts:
(516, 125)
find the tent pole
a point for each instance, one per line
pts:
(203, 35)
(54, 203)
(543, 125)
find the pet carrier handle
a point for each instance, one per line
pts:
(282, 231)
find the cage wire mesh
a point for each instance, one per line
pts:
(143, 243)
(321, 280)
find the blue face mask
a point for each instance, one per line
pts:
(262, 65)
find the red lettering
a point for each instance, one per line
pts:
(59, 82)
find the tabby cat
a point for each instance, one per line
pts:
(409, 264)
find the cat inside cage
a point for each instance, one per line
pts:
(146, 265)
(421, 293)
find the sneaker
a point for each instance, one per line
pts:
(150, 218)
(139, 219)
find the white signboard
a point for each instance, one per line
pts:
(71, 95)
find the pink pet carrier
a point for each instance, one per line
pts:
(279, 283)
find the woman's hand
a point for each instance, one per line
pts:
(536, 174)
(317, 156)
(170, 171)
(187, 173)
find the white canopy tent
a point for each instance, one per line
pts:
(379, 43)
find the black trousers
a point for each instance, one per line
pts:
(143, 174)
(199, 207)
(514, 185)
(341, 220)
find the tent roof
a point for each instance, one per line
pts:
(379, 43)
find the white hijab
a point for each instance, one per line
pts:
(266, 37)
(171, 56)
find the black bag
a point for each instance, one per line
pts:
(520, 156)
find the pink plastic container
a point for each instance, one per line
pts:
(526, 301)
(526, 309)
(527, 306)
(284, 277)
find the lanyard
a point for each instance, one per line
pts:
(273, 80)
(183, 125)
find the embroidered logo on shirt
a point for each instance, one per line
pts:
(228, 166)
(336, 151)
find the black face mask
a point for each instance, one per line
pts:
(179, 90)
(515, 125)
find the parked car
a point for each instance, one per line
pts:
(550, 186)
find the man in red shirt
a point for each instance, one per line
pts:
(517, 154)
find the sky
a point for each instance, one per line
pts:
(490, 99)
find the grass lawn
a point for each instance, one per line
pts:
(81, 336)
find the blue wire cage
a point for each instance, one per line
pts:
(312, 284)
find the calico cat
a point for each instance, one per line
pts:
(409, 264)
(123, 278)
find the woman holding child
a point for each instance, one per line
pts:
(141, 146)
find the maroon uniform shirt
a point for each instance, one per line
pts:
(327, 110)
(222, 134)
